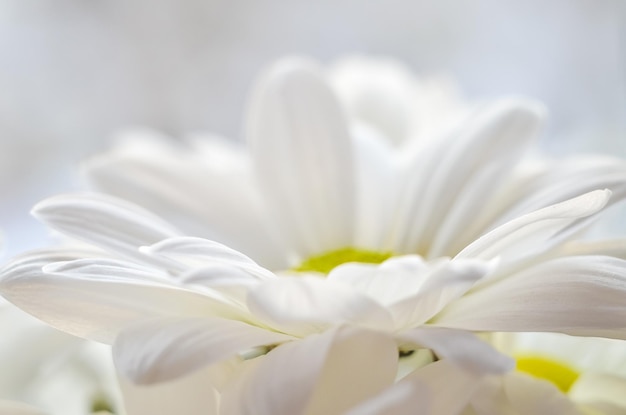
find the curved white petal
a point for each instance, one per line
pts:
(443, 284)
(107, 269)
(411, 289)
(229, 282)
(323, 374)
(390, 282)
(435, 389)
(305, 305)
(461, 348)
(612, 247)
(582, 295)
(189, 252)
(559, 181)
(302, 157)
(195, 394)
(518, 393)
(448, 181)
(376, 190)
(537, 231)
(104, 221)
(165, 349)
(96, 306)
(483, 167)
(205, 188)
(592, 388)
(378, 92)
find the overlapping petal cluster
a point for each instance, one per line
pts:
(479, 239)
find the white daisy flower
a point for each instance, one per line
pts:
(182, 304)
(309, 197)
(177, 304)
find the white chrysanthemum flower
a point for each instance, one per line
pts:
(182, 304)
(311, 195)
(556, 374)
(174, 305)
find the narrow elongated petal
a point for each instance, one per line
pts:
(376, 190)
(104, 221)
(447, 181)
(189, 252)
(306, 305)
(612, 247)
(323, 374)
(95, 306)
(302, 156)
(564, 180)
(482, 168)
(537, 231)
(582, 295)
(461, 348)
(165, 349)
(438, 388)
(204, 187)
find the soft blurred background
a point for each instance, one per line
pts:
(73, 72)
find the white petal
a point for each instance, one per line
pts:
(499, 146)
(443, 284)
(164, 349)
(530, 396)
(563, 180)
(414, 291)
(614, 247)
(190, 395)
(107, 269)
(581, 295)
(104, 221)
(447, 182)
(537, 231)
(377, 190)
(96, 306)
(190, 252)
(461, 348)
(323, 374)
(596, 387)
(518, 393)
(302, 156)
(390, 282)
(305, 305)
(205, 188)
(437, 388)
(379, 92)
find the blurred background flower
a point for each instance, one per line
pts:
(72, 73)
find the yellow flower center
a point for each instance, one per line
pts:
(558, 373)
(325, 262)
